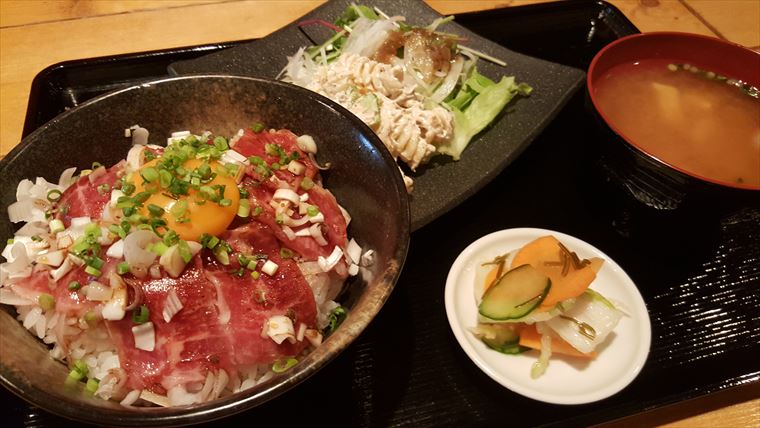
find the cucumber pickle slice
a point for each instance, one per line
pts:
(517, 293)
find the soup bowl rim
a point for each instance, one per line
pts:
(591, 78)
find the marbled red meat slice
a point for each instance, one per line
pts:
(186, 347)
(82, 199)
(254, 144)
(253, 301)
(334, 226)
(69, 302)
(222, 317)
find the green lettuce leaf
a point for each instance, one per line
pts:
(472, 113)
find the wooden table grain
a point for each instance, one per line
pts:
(35, 34)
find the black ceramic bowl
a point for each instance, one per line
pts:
(363, 177)
(651, 181)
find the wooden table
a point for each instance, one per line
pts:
(35, 34)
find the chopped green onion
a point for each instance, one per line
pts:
(279, 219)
(92, 271)
(74, 285)
(56, 226)
(141, 315)
(170, 238)
(255, 274)
(149, 174)
(165, 178)
(95, 262)
(122, 268)
(209, 241)
(158, 248)
(96, 165)
(257, 211)
(307, 183)
(222, 255)
(312, 210)
(225, 202)
(128, 188)
(92, 229)
(257, 127)
(91, 317)
(275, 165)
(46, 301)
(221, 143)
(104, 188)
(36, 238)
(280, 366)
(9, 241)
(78, 371)
(336, 317)
(179, 209)
(286, 253)
(141, 197)
(184, 251)
(244, 208)
(53, 195)
(155, 210)
(92, 385)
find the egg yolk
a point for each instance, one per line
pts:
(201, 215)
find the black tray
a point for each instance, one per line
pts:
(698, 270)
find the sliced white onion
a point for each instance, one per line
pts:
(328, 263)
(353, 270)
(307, 144)
(290, 221)
(449, 82)
(280, 328)
(288, 232)
(368, 258)
(140, 136)
(316, 232)
(346, 215)
(303, 232)
(138, 258)
(354, 251)
(19, 267)
(296, 167)
(231, 156)
(318, 218)
(154, 398)
(97, 292)
(172, 261)
(28, 210)
(62, 270)
(145, 336)
(180, 134)
(130, 398)
(96, 173)
(301, 331)
(270, 268)
(115, 308)
(304, 197)
(314, 337)
(8, 297)
(52, 258)
(64, 241)
(116, 250)
(172, 305)
(66, 178)
(287, 195)
(134, 160)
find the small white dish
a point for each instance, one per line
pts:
(566, 380)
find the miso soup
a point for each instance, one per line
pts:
(687, 119)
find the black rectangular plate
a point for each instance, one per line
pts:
(698, 271)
